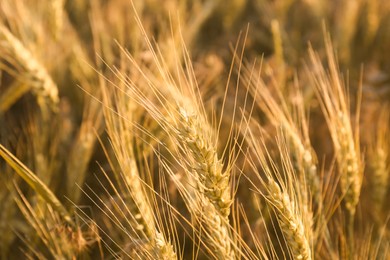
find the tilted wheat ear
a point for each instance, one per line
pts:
(37, 77)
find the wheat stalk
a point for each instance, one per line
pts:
(57, 17)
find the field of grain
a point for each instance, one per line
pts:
(183, 129)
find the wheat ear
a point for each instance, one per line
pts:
(213, 197)
(291, 225)
(118, 116)
(216, 230)
(181, 114)
(276, 108)
(42, 84)
(335, 106)
(284, 194)
(212, 180)
(379, 160)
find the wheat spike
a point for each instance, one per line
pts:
(212, 180)
(217, 233)
(379, 160)
(349, 166)
(335, 106)
(290, 223)
(42, 84)
(276, 111)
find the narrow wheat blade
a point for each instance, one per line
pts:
(35, 183)
(12, 95)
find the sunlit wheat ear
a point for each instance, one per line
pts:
(34, 74)
(121, 136)
(213, 199)
(288, 115)
(134, 194)
(289, 222)
(212, 180)
(284, 194)
(172, 98)
(277, 109)
(210, 228)
(335, 105)
(216, 232)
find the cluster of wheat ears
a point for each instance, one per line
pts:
(183, 129)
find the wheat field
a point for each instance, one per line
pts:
(182, 129)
